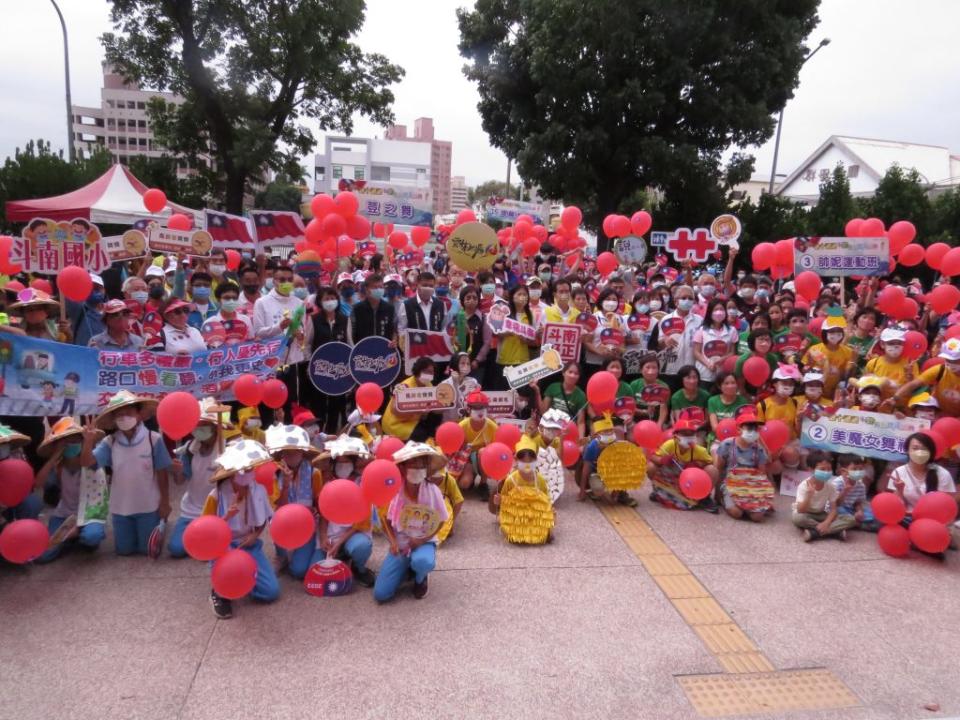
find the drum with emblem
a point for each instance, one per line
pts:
(328, 578)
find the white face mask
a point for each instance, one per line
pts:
(835, 338)
(813, 393)
(607, 438)
(893, 351)
(920, 457)
(719, 316)
(708, 291)
(425, 378)
(253, 423)
(925, 415)
(870, 400)
(685, 441)
(330, 305)
(784, 389)
(654, 305)
(415, 476)
(746, 293)
(478, 414)
(343, 469)
(535, 293)
(218, 269)
(525, 467)
(127, 422)
(750, 436)
(610, 305)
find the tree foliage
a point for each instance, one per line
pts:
(597, 102)
(835, 207)
(901, 195)
(772, 218)
(280, 194)
(248, 71)
(491, 188)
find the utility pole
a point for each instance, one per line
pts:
(71, 153)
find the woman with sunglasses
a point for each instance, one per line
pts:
(177, 336)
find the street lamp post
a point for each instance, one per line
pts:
(776, 144)
(71, 153)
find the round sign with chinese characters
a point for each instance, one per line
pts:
(631, 250)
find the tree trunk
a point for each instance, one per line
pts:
(236, 180)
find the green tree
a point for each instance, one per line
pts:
(280, 194)
(772, 218)
(597, 102)
(835, 207)
(901, 195)
(491, 188)
(698, 196)
(249, 70)
(944, 224)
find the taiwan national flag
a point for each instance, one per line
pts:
(228, 229)
(278, 227)
(426, 343)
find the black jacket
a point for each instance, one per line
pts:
(368, 322)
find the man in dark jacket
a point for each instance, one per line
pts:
(372, 316)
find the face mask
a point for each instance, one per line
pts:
(443, 291)
(610, 305)
(415, 476)
(525, 467)
(545, 276)
(251, 289)
(784, 389)
(376, 293)
(925, 415)
(300, 292)
(535, 293)
(465, 370)
(243, 479)
(285, 288)
(127, 422)
(741, 275)
(708, 291)
(230, 306)
(834, 338)
(684, 304)
(749, 436)
(607, 438)
(330, 305)
(71, 451)
(218, 269)
(521, 404)
(746, 293)
(813, 393)
(96, 298)
(156, 292)
(763, 293)
(870, 400)
(425, 293)
(202, 294)
(488, 289)
(292, 459)
(855, 475)
(658, 284)
(893, 351)
(253, 424)
(685, 441)
(733, 313)
(822, 475)
(719, 316)
(425, 378)
(655, 305)
(246, 256)
(140, 296)
(347, 293)
(643, 309)
(478, 414)
(268, 283)
(920, 457)
(202, 433)
(343, 469)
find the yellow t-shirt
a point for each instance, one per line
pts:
(477, 439)
(945, 388)
(512, 350)
(393, 424)
(697, 453)
(832, 363)
(555, 315)
(895, 372)
(514, 480)
(450, 489)
(769, 409)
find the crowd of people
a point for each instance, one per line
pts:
(679, 342)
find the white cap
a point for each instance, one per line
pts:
(393, 277)
(892, 335)
(344, 277)
(153, 271)
(813, 377)
(359, 276)
(97, 280)
(789, 286)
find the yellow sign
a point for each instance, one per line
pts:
(473, 246)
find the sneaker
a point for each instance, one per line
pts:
(624, 499)
(222, 607)
(808, 535)
(483, 490)
(420, 589)
(364, 576)
(842, 535)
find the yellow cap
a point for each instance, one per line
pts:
(526, 443)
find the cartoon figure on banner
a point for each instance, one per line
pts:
(71, 382)
(726, 229)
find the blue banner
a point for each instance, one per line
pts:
(874, 435)
(42, 377)
(373, 360)
(329, 368)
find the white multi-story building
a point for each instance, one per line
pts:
(458, 193)
(402, 164)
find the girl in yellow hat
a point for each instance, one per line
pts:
(523, 501)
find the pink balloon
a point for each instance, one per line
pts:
(872, 227)
(853, 227)
(640, 222)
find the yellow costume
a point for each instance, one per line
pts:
(895, 373)
(240, 429)
(451, 498)
(394, 424)
(526, 514)
(478, 439)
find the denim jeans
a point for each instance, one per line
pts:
(29, 509)
(299, 560)
(267, 588)
(395, 568)
(131, 532)
(91, 535)
(176, 538)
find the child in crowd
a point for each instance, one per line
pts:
(240, 500)
(851, 484)
(604, 435)
(673, 456)
(892, 367)
(11, 447)
(479, 431)
(814, 496)
(522, 501)
(249, 425)
(743, 464)
(651, 394)
(832, 358)
(302, 417)
(783, 406)
(366, 427)
(452, 498)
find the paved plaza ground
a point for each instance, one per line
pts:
(617, 618)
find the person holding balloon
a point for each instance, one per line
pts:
(674, 456)
(724, 405)
(478, 432)
(831, 357)
(894, 366)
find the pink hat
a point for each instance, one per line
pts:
(344, 277)
(176, 304)
(114, 306)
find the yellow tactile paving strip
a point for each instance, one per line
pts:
(749, 684)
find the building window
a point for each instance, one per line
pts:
(141, 106)
(853, 171)
(143, 142)
(131, 105)
(358, 173)
(380, 173)
(337, 172)
(421, 171)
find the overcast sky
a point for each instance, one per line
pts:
(890, 72)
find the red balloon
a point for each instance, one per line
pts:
(450, 437)
(906, 310)
(75, 283)
(292, 526)
(398, 240)
(890, 297)
(248, 390)
(509, 435)
(852, 228)
(783, 253)
(154, 200)
(16, 481)
(929, 535)
(346, 204)
(234, 574)
(756, 370)
(894, 540)
(571, 432)
(729, 364)
(888, 508)
(531, 246)
(523, 217)
(726, 429)
(934, 361)
(466, 215)
(207, 537)
(333, 224)
(314, 232)
(23, 540)
(522, 229)
(763, 255)
(233, 259)
(602, 388)
(914, 345)
(496, 460)
(389, 445)
(937, 506)
(695, 483)
(322, 205)
(872, 227)
(570, 453)
(808, 284)
(648, 435)
(274, 393)
(380, 482)
(911, 255)
(379, 230)
(935, 254)
(640, 222)
(621, 226)
(778, 272)
(607, 262)
(571, 217)
(346, 246)
(179, 221)
(901, 234)
(420, 235)
(952, 332)
(358, 227)
(369, 397)
(815, 325)
(950, 265)
(609, 226)
(775, 434)
(940, 443)
(342, 502)
(178, 414)
(266, 475)
(948, 427)
(942, 298)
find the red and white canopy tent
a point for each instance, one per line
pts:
(116, 197)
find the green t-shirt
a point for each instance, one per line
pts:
(624, 390)
(571, 403)
(862, 346)
(722, 410)
(650, 398)
(771, 358)
(679, 401)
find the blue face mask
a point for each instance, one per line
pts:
(201, 293)
(443, 291)
(96, 297)
(376, 293)
(246, 256)
(822, 475)
(347, 293)
(392, 294)
(300, 292)
(643, 309)
(72, 450)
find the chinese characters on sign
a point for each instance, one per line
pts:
(842, 256)
(565, 339)
(862, 433)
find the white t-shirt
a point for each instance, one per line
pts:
(198, 487)
(254, 512)
(69, 492)
(914, 488)
(184, 341)
(675, 357)
(818, 499)
(715, 344)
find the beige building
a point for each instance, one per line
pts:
(440, 159)
(458, 193)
